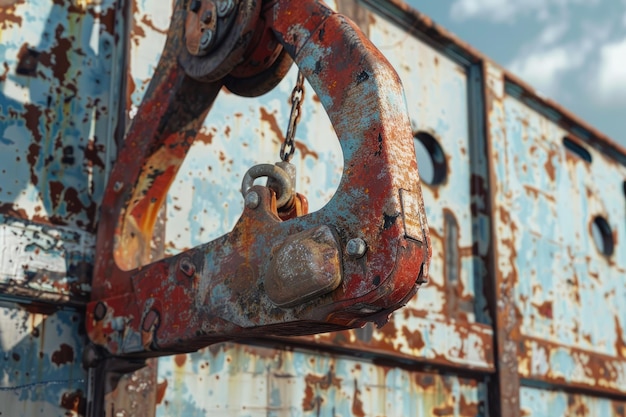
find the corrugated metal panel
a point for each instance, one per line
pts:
(542, 403)
(237, 380)
(41, 372)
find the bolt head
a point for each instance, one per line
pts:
(187, 267)
(225, 7)
(356, 247)
(252, 200)
(206, 41)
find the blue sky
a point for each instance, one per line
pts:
(573, 51)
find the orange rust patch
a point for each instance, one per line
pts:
(270, 118)
(160, 390)
(7, 13)
(180, 360)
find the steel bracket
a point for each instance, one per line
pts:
(367, 260)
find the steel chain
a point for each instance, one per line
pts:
(288, 146)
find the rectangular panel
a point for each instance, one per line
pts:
(568, 291)
(58, 114)
(240, 380)
(542, 403)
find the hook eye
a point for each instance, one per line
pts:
(285, 187)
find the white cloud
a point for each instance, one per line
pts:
(542, 68)
(508, 10)
(609, 82)
(554, 32)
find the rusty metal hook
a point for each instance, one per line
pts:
(378, 200)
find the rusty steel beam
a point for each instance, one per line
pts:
(571, 368)
(505, 395)
(469, 347)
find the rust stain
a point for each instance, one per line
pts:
(445, 410)
(550, 168)
(92, 154)
(357, 404)
(620, 344)
(270, 118)
(425, 381)
(414, 339)
(136, 31)
(160, 390)
(305, 151)
(315, 383)
(56, 191)
(468, 408)
(148, 22)
(8, 17)
(545, 309)
(180, 360)
(57, 59)
(64, 355)
(204, 136)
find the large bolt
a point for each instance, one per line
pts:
(356, 248)
(206, 41)
(225, 7)
(252, 200)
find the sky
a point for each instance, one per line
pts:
(572, 51)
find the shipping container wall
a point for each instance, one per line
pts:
(525, 310)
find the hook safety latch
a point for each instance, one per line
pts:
(354, 261)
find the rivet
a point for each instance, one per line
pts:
(151, 321)
(356, 247)
(99, 311)
(252, 200)
(206, 41)
(187, 267)
(118, 186)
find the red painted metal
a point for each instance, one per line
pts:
(215, 292)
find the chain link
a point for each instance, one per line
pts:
(297, 96)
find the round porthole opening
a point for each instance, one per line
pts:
(602, 236)
(431, 160)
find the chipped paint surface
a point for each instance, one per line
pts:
(58, 97)
(558, 307)
(295, 383)
(41, 372)
(542, 403)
